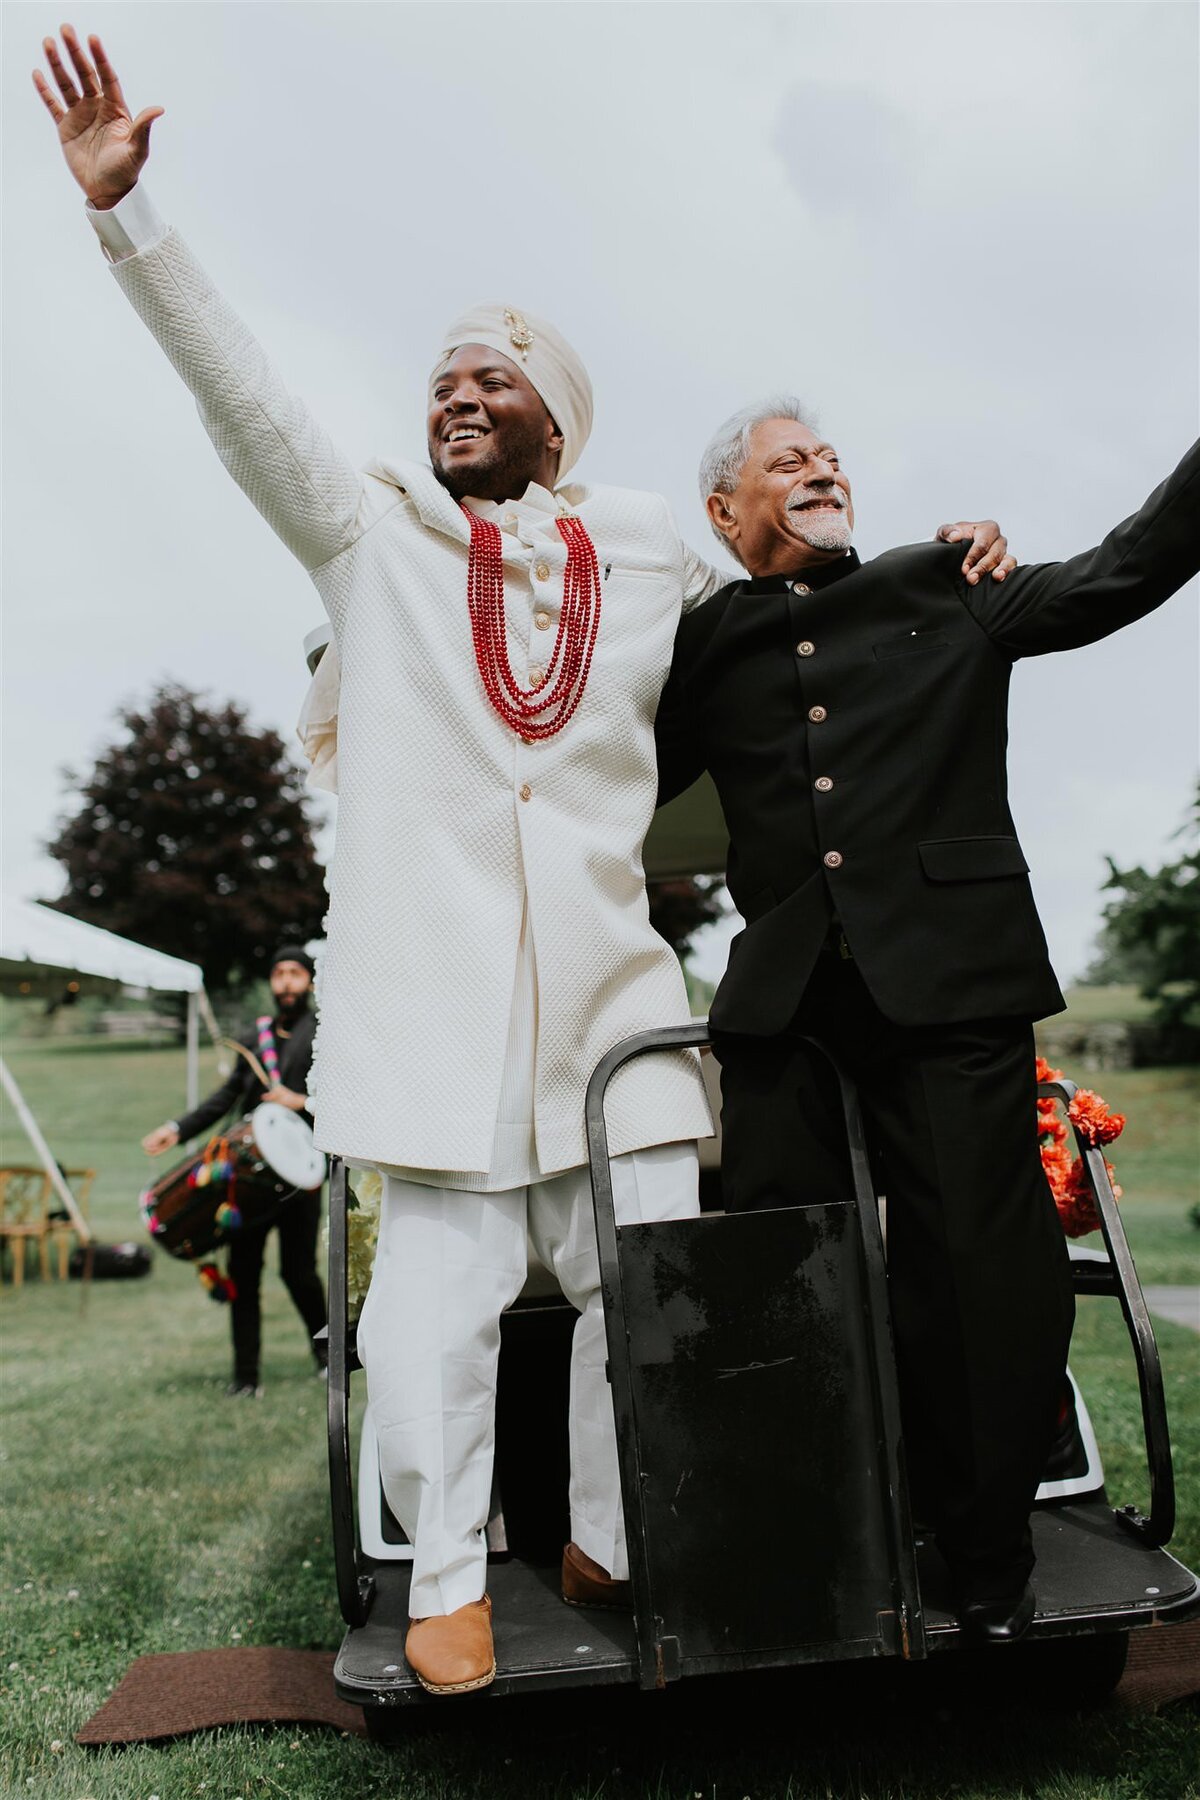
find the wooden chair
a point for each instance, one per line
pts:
(28, 1209)
(24, 1218)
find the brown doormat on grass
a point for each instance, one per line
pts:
(1163, 1667)
(196, 1690)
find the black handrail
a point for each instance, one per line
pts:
(878, 1321)
(647, 1626)
(353, 1589)
(1159, 1526)
(653, 1655)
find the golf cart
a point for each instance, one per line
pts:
(758, 1428)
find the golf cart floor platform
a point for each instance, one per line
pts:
(1091, 1570)
(1092, 1574)
(540, 1641)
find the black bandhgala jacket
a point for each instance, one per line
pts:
(855, 723)
(243, 1089)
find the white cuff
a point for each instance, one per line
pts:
(133, 224)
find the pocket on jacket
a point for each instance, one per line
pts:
(911, 644)
(632, 572)
(972, 858)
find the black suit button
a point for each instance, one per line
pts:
(823, 784)
(833, 859)
(799, 587)
(817, 714)
(805, 647)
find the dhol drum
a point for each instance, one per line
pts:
(241, 1179)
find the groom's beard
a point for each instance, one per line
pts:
(289, 1007)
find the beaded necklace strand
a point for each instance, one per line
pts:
(541, 711)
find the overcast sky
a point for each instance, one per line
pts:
(967, 234)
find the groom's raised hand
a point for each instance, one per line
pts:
(104, 146)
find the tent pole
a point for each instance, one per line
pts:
(33, 1133)
(193, 1052)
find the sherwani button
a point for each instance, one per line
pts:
(805, 647)
(526, 791)
(542, 571)
(823, 783)
(537, 675)
(817, 714)
(542, 620)
(510, 521)
(833, 859)
(798, 587)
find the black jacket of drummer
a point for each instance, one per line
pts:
(855, 725)
(243, 1090)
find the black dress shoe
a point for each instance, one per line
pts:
(998, 1621)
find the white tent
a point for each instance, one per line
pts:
(46, 952)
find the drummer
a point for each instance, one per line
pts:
(283, 1046)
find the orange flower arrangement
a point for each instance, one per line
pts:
(1065, 1173)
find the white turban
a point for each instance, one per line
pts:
(546, 360)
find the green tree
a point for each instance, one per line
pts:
(1151, 931)
(678, 909)
(192, 835)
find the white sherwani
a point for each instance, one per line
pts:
(447, 822)
(488, 936)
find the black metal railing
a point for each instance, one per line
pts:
(1118, 1277)
(354, 1588)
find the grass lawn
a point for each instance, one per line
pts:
(145, 1513)
(1157, 1159)
(1111, 1002)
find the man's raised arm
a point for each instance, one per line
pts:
(304, 487)
(1141, 563)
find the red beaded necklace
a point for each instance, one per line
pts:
(543, 710)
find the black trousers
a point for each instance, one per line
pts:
(978, 1275)
(297, 1227)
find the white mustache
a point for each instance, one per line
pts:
(827, 497)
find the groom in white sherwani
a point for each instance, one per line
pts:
(500, 641)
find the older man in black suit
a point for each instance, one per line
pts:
(854, 719)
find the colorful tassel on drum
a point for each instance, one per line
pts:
(228, 1217)
(218, 1169)
(217, 1286)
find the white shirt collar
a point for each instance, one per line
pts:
(536, 500)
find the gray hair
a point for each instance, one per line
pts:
(725, 458)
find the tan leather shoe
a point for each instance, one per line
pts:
(585, 1583)
(451, 1653)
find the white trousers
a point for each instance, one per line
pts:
(447, 1265)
